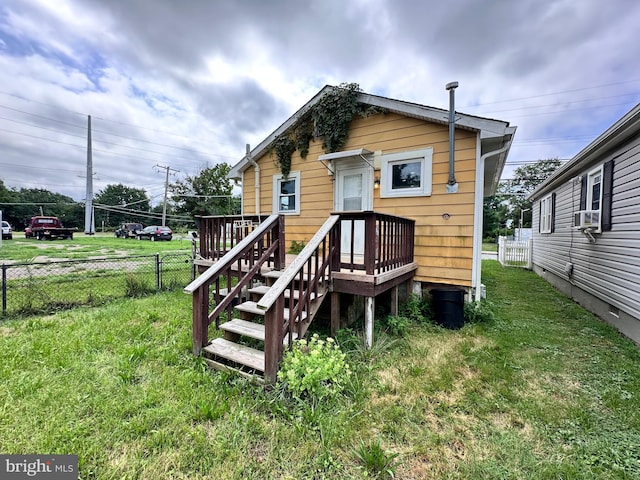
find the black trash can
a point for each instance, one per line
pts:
(448, 306)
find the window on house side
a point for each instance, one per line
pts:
(594, 189)
(286, 194)
(406, 174)
(546, 214)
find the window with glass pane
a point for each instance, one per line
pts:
(545, 215)
(595, 184)
(406, 175)
(352, 192)
(287, 195)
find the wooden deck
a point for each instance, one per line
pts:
(354, 282)
(252, 290)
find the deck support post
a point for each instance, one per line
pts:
(335, 313)
(274, 334)
(394, 301)
(200, 328)
(369, 309)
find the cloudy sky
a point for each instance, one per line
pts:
(186, 84)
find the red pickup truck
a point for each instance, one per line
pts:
(47, 228)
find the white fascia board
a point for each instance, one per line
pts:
(488, 127)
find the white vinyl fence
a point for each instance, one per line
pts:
(515, 253)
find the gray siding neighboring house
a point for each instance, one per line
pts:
(597, 260)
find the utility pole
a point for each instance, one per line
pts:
(166, 189)
(89, 221)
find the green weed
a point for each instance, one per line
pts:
(377, 462)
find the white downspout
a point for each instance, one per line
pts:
(256, 167)
(477, 234)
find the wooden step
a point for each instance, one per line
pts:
(222, 367)
(273, 274)
(243, 327)
(248, 329)
(262, 289)
(259, 290)
(236, 353)
(251, 307)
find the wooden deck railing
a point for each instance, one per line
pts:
(388, 241)
(388, 245)
(305, 280)
(219, 234)
(263, 245)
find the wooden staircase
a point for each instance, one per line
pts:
(242, 347)
(260, 305)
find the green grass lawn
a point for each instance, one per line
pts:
(489, 247)
(544, 391)
(27, 249)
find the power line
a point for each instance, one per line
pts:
(563, 111)
(527, 107)
(553, 93)
(108, 133)
(104, 119)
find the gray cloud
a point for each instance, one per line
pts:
(189, 83)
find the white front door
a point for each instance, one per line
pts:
(353, 192)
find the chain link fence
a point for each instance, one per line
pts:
(44, 287)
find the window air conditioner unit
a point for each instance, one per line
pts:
(587, 219)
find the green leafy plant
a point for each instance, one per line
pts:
(296, 247)
(377, 462)
(396, 325)
(333, 113)
(314, 369)
(417, 310)
(284, 147)
(303, 135)
(329, 119)
(479, 312)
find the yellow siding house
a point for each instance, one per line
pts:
(395, 161)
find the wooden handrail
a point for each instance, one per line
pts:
(311, 269)
(393, 246)
(263, 245)
(281, 284)
(231, 256)
(220, 233)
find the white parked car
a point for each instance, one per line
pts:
(7, 233)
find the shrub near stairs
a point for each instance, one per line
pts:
(314, 369)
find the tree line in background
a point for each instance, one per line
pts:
(504, 211)
(208, 193)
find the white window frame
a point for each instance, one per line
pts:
(598, 171)
(546, 214)
(277, 179)
(425, 156)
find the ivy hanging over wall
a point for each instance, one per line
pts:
(329, 119)
(284, 147)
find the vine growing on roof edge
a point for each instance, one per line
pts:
(329, 118)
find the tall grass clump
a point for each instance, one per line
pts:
(137, 287)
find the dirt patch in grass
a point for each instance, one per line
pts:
(6, 332)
